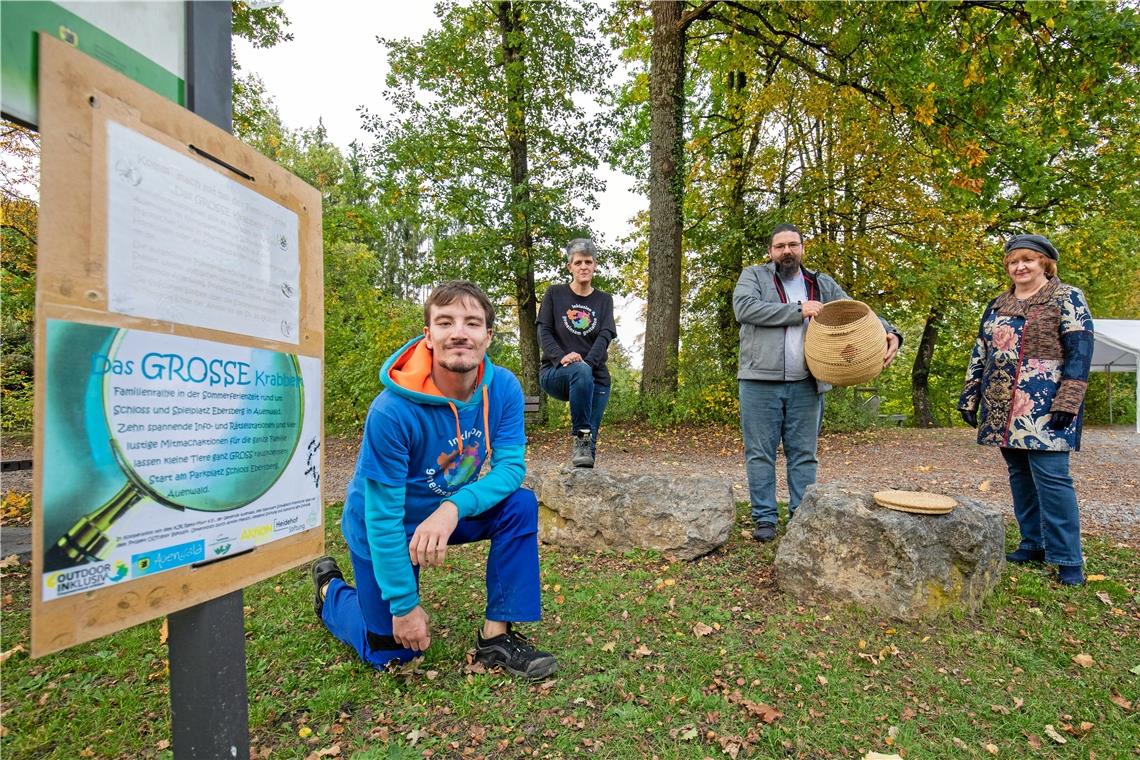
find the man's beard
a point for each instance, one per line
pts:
(788, 268)
(459, 364)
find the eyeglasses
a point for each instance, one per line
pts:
(786, 247)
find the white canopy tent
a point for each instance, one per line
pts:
(1116, 348)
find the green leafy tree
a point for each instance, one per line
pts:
(491, 151)
(906, 139)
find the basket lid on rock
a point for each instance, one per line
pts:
(844, 343)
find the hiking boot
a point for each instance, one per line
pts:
(514, 654)
(764, 533)
(1025, 556)
(323, 571)
(1070, 575)
(581, 453)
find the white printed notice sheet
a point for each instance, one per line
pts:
(187, 244)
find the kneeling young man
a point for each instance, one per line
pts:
(445, 412)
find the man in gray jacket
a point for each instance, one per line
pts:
(779, 399)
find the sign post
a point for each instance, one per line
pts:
(209, 702)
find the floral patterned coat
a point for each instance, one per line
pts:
(1031, 358)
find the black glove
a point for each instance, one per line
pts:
(1061, 420)
(970, 416)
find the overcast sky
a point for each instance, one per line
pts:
(334, 65)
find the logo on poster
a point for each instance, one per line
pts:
(257, 533)
(85, 578)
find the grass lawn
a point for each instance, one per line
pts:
(657, 659)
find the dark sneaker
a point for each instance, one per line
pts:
(514, 654)
(581, 453)
(1070, 575)
(323, 571)
(1025, 556)
(764, 533)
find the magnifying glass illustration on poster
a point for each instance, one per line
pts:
(196, 427)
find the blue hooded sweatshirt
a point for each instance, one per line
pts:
(421, 449)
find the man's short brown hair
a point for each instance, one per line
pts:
(458, 290)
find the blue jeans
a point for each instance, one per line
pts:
(575, 383)
(771, 412)
(361, 617)
(1045, 504)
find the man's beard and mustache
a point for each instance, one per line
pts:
(459, 364)
(788, 267)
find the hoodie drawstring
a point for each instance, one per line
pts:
(486, 428)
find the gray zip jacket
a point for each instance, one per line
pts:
(762, 310)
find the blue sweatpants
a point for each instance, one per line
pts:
(361, 617)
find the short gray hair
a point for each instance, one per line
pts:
(581, 246)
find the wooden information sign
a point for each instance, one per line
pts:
(179, 348)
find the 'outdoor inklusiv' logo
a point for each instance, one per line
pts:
(86, 578)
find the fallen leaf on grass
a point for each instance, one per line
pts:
(1052, 734)
(333, 751)
(547, 685)
(5, 655)
(822, 680)
(87, 752)
(162, 744)
(10, 561)
(959, 743)
(688, 734)
(1079, 730)
(992, 749)
(1104, 597)
(414, 736)
(1084, 660)
(1096, 577)
(700, 629)
(642, 651)
(999, 709)
(1018, 702)
(880, 756)
(1034, 741)
(1120, 701)
(609, 646)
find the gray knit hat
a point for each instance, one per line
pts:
(1033, 243)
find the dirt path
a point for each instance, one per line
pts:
(1106, 470)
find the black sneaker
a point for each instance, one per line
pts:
(514, 654)
(764, 533)
(323, 571)
(581, 452)
(1025, 556)
(1070, 575)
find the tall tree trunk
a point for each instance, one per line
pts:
(510, 25)
(920, 372)
(666, 191)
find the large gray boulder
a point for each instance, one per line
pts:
(842, 546)
(681, 516)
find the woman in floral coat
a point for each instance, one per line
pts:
(1025, 389)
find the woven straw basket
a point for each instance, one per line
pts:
(844, 343)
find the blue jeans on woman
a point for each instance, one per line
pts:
(771, 412)
(1045, 504)
(588, 399)
(361, 617)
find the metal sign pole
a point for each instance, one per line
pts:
(209, 702)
